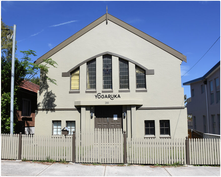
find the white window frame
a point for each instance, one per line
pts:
(149, 128)
(71, 129)
(53, 122)
(165, 128)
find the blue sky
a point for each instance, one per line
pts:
(190, 27)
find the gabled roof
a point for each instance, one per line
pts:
(30, 86)
(115, 20)
(213, 69)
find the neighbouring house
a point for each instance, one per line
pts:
(27, 99)
(204, 105)
(112, 75)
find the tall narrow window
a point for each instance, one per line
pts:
(211, 92)
(218, 123)
(204, 124)
(140, 78)
(75, 80)
(91, 74)
(194, 122)
(217, 90)
(149, 127)
(56, 127)
(164, 127)
(71, 127)
(124, 74)
(107, 72)
(26, 107)
(202, 89)
(192, 93)
(213, 123)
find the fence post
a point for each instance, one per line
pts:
(187, 151)
(73, 147)
(19, 146)
(125, 148)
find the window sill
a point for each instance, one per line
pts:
(165, 136)
(107, 91)
(141, 90)
(74, 91)
(90, 91)
(149, 136)
(26, 117)
(124, 90)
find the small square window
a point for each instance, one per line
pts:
(149, 127)
(71, 126)
(164, 127)
(56, 127)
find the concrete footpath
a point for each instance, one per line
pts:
(20, 168)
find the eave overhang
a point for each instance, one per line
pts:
(208, 74)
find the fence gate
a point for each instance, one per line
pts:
(100, 146)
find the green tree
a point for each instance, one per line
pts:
(35, 80)
(24, 69)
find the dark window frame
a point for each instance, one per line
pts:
(164, 128)
(149, 128)
(107, 81)
(91, 74)
(26, 111)
(211, 92)
(140, 77)
(202, 89)
(123, 74)
(217, 87)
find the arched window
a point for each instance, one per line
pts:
(107, 72)
(91, 74)
(75, 79)
(140, 78)
(124, 74)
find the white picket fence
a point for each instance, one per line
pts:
(46, 147)
(100, 146)
(9, 146)
(107, 146)
(156, 151)
(204, 151)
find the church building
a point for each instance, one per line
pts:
(112, 75)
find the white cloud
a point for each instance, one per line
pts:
(50, 45)
(63, 23)
(36, 33)
(184, 69)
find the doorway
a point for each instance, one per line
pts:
(108, 117)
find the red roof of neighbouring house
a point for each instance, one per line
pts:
(27, 85)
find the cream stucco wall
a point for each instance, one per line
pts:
(163, 88)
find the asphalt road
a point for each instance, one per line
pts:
(20, 168)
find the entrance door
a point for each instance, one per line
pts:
(108, 117)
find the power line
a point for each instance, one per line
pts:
(201, 57)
